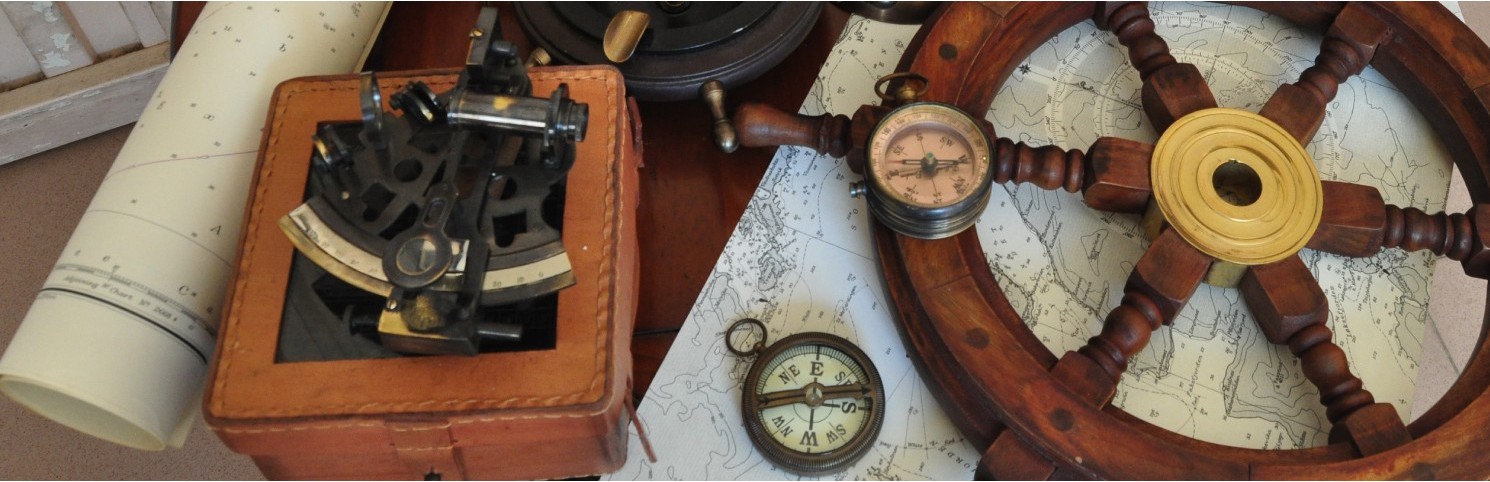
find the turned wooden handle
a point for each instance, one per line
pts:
(1444, 234)
(1347, 49)
(1357, 222)
(1130, 21)
(1291, 309)
(760, 125)
(1048, 167)
(1460, 237)
(1171, 89)
(1159, 286)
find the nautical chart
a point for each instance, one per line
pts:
(800, 260)
(1212, 375)
(131, 307)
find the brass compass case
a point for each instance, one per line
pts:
(928, 170)
(844, 414)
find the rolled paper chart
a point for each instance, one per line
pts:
(118, 341)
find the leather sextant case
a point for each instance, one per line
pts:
(550, 413)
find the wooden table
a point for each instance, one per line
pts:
(688, 185)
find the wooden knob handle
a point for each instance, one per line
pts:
(760, 125)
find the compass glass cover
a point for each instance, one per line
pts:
(928, 155)
(822, 420)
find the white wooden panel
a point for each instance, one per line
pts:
(146, 26)
(163, 15)
(102, 26)
(56, 111)
(17, 68)
(48, 36)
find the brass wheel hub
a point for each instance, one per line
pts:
(1236, 186)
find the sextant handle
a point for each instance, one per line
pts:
(760, 125)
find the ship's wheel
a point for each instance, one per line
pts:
(1231, 197)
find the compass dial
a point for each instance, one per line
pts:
(928, 169)
(928, 155)
(813, 403)
(814, 399)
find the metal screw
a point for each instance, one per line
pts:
(856, 189)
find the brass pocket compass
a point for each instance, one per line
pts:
(926, 165)
(813, 403)
(927, 172)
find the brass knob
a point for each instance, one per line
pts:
(538, 57)
(724, 132)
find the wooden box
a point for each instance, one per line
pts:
(511, 415)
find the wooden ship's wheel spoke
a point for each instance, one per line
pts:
(1171, 89)
(1348, 47)
(1113, 175)
(1356, 222)
(1291, 310)
(1158, 288)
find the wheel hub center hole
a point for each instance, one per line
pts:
(1237, 183)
